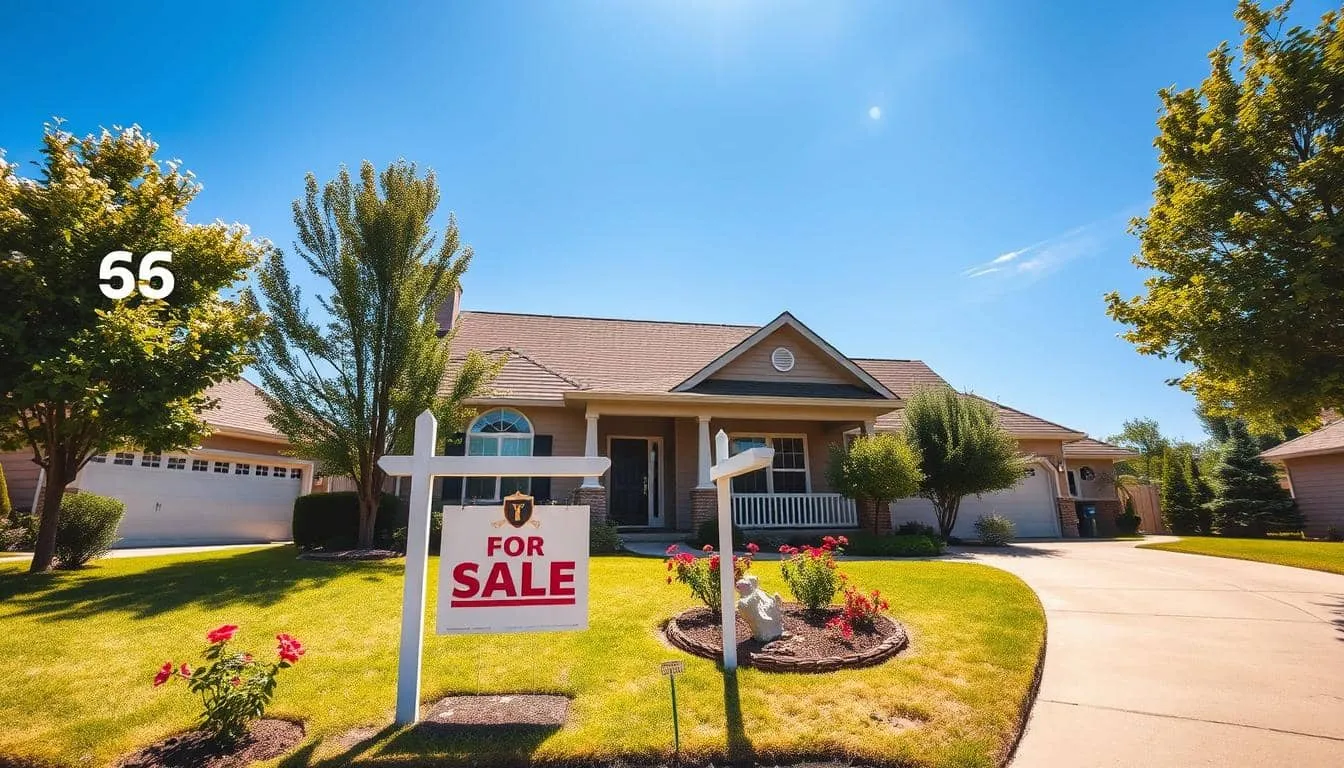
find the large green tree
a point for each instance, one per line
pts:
(1179, 511)
(80, 373)
(346, 390)
(1246, 231)
(1144, 437)
(963, 450)
(1249, 499)
(877, 468)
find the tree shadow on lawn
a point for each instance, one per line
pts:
(1021, 549)
(256, 578)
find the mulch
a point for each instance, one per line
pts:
(267, 738)
(350, 555)
(528, 709)
(807, 644)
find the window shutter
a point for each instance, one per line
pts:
(541, 486)
(450, 488)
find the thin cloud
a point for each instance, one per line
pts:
(1025, 265)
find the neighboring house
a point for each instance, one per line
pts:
(651, 395)
(236, 487)
(1314, 464)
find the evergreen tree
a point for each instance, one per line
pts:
(1249, 499)
(1201, 493)
(1178, 501)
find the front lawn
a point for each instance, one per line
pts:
(1316, 555)
(78, 651)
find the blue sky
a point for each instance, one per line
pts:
(942, 181)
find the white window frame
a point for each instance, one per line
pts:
(498, 439)
(770, 471)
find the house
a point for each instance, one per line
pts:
(649, 395)
(236, 487)
(1314, 464)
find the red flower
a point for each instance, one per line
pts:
(184, 670)
(165, 672)
(671, 549)
(221, 634)
(707, 548)
(752, 548)
(669, 579)
(235, 681)
(290, 648)
(844, 542)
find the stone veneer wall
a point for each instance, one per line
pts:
(1068, 517)
(704, 505)
(867, 509)
(596, 500)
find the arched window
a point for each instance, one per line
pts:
(498, 432)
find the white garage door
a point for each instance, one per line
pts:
(192, 499)
(1030, 505)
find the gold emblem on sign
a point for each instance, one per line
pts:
(518, 509)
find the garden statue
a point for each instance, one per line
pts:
(763, 613)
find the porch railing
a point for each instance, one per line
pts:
(794, 510)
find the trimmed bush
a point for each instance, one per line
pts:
(603, 539)
(331, 520)
(1128, 521)
(87, 528)
(707, 532)
(900, 545)
(995, 530)
(916, 528)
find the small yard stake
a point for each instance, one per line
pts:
(671, 668)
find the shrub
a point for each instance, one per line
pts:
(603, 539)
(916, 528)
(810, 572)
(707, 532)
(860, 612)
(1128, 521)
(1334, 534)
(87, 528)
(235, 688)
(995, 530)
(877, 468)
(701, 574)
(6, 509)
(331, 520)
(900, 545)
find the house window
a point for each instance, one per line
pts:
(296, 474)
(150, 459)
(280, 472)
(1029, 472)
(263, 470)
(124, 459)
(177, 462)
(787, 474)
(498, 432)
(99, 459)
(199, 465)
(242, 469)
(222, 467)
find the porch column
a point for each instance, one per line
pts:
(590, 448)
(869, 428)
(703, 458)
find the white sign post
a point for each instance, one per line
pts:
(422, 466)
(722, 473)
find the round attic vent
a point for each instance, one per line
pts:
(782, 359)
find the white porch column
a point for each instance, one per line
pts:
(590, 448)
(869, 428)
(703, 458)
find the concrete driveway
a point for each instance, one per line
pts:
(1160, 659)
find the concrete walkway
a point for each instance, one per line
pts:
(1168, 660)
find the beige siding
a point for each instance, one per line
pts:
(243, 445)
(567, 429)
(1102, 484)
(21, 477)
(1052, 451)
(685, 458)
(810, 363)
(1318, 486)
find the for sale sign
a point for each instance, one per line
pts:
(515, 568)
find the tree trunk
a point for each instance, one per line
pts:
(368, 516)
(947, 515)
(52, 494)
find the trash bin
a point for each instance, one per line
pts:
(1087, 521)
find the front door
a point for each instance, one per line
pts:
(631, 486)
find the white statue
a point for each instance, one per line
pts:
(764, 613)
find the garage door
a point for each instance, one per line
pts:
(1030, 505)
(193, 499)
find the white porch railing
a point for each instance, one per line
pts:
(794, 510)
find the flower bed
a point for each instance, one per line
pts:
(809, 643)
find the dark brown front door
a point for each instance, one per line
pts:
(630, 481)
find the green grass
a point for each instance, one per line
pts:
(78, 651)
(1316, 555)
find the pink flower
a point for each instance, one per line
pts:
(671, 549)
(165, 672)
(236, 681)
(221, 634)
(290, 648)
(184, 670)
(707, 548)
(844, 541)
(752, 548)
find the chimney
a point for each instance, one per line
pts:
(447, 314)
